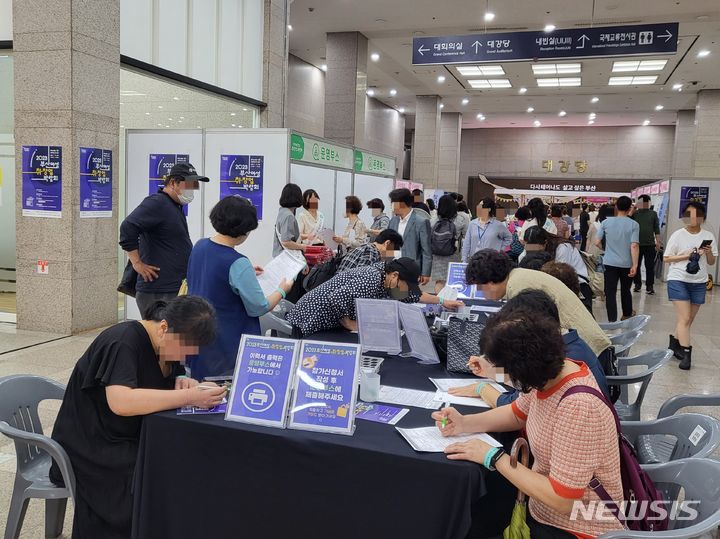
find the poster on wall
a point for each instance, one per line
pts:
(42, 181)
(95, 182)
(243, 175)
(655, 189)
(402, 184)
(665, 186)
(160, 165)
(697, 194)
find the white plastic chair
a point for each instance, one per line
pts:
(634, 323)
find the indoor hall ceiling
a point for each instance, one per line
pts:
(390, 27)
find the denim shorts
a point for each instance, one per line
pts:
(682, 291)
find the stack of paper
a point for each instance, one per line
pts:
(408, 397)
(443, 396)
(444, 384)
(430, 440)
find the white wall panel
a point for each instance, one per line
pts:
(6, 33)
(323, 181)
(136, 29)
(367, 187)
(202, 40)
(171, 27)
(252, 48)
(230, 44)
(343, 181)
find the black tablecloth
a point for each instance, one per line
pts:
(200, 476)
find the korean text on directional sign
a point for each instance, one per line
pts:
(562, 43)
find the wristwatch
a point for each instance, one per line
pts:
(495, 458)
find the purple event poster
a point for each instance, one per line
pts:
(696, 194)
(261, 384)
(42, 181)
(160, 165)
(326, 387)
(95, 182)
(243, 175)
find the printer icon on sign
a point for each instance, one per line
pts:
(258, 397)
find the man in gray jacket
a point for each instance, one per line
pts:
(414, 228)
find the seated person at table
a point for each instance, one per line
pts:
(332, 304)
(530, 304)
(493, 273)
(534, 261)
(385, 243)
(227, 279)
(572, 439)
(128, 371)
(566, 274)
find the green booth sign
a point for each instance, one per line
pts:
(319, 152)
(374, 164)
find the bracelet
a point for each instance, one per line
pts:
(281, 292)
(441, 299)
(479, 387)
(489, 455)
(496, 457)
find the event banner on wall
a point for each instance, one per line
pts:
(325, 389)
(696, 194)
(243, 175)
(42, 181)
(160, 165)
(95, 182)
(261, 383)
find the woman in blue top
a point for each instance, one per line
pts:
(228, 280)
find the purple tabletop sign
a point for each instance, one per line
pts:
(243, 175)
(325, 388)
(42, 181)
(160, 165)
(95, 182)
(456, 279)
(261, 385)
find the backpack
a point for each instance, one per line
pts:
(595, 270)
(443, 238)
(638, 488)
(321, 273)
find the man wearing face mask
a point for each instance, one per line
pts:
(485, 232)
(332, 304)
(156, 238)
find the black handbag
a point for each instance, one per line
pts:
(463, 342)
(128, 281)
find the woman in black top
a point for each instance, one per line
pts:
(130, 370)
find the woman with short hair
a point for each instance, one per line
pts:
(446, 211)
(287, 230)
(130, 370)
(227, 279)
(380, 220)
(355, 233)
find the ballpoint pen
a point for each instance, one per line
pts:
(443, 423)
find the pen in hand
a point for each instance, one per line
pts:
(443, 423)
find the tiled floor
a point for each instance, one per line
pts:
(56, 359)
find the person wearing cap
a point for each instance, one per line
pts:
(156, 237)
(332, 304)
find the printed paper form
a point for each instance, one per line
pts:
(430, 440)
(444, 384)
(328, 236)
(408, 397)
(442, 396)
(283, 266)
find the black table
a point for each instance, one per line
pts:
(200, 476)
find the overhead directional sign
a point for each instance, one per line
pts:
(641, 39)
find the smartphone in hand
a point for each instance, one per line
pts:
(705, 243)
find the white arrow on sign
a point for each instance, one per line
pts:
(422, 51)
(582, 39)
(667, 35)
(476, 45)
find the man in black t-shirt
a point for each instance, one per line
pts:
(156, 237)
(584, 226)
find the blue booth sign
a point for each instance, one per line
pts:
(456, 279)
(631, 40)
(325, 388)
(262, 381)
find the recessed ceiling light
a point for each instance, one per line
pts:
(290, 27)
(482, 117)
(592, 116)
(442, 106)
(159, 125)
(522, 90)
(557, 82)
(122, 103)
(590, 122)
(562, 113)
(490, 83)
(481, 71)
(160, 106)
(401, 110)
(233, 125)
(703, 53)
(375, 57)
(240, 126)
(489, 16)
(659, 107)
(531, 109)
(631, 66)
(370, 92)
(122, 126)
(594, 100)
(182, 117)
(147, 114)
(537, 123)
(479, 115)
(198, 127)
(323, 67)
(441, 78)
(393, 92)
(175, 98)
(631, 81)
(465, 101)
(556, 69)
(167, 126)
(677, 86)
(549, 28)
(646, 122)
(244, 109)
(232, 114)
(170, 119)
